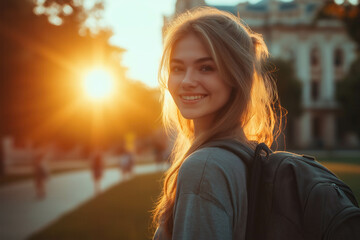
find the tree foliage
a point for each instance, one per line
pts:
(348, 95)
(288, 86)
(42, 58)
(348, 13)
(348, 89)
(289, 93)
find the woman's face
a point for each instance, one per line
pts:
(194, 82)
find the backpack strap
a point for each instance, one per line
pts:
(253, 161)
(253, 188)
(245, 153)
(256, 171)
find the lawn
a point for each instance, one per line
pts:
(351, 160)
(353, 180)
(349, 173)
(123, 212)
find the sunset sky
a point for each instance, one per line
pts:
(137, 27)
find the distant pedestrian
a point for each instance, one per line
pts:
(97, 167)
(127, 164)
(41, 174)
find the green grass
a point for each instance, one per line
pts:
(352, 160)
(353, 180)
(122, 212)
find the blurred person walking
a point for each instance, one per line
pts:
(127, 164)
(41, 172)
(97, 167)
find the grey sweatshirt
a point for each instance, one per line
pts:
(211, 197)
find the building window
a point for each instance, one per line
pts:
(338, 64)
(314, 57)
(315, 90)
(316, 127)
(316, 132)
(338, 57)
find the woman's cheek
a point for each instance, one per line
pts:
(173, 85)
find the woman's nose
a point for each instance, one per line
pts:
(190, 79)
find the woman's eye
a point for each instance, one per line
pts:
(175, 69)
(206, 68)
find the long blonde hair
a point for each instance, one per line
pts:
(249, 115)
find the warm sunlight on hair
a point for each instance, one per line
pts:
(98, 84)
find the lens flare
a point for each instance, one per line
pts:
(98, 84)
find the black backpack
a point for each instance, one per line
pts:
(294, 197)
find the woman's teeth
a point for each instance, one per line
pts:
(192, 97)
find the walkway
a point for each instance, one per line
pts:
(22, 214)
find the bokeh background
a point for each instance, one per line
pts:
(82, 149)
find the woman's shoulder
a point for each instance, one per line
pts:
(213, 158)
(210, 166)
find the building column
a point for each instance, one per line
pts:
(303, 71)
(303, 124)
(327, 86)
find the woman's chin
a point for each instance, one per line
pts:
(189, 116)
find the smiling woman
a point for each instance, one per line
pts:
(212, 69)
(98, 84)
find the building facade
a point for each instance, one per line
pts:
(320, 51)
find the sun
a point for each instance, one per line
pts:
(98, 84)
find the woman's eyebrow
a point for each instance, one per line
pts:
(205, 59)
(200, 60)
(174, 60)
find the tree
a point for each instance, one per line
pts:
(348, 13)
(42, 58)
(40, 63)
(289, 91)
(349, 87)
(37, 66)
(349, 98)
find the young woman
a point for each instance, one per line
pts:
(214, 89)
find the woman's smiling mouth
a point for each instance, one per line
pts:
(192, 98)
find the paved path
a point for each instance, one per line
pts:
(22, 214)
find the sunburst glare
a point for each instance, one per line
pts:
(98, 84)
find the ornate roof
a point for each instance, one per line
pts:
(275, 11)
(263, 6)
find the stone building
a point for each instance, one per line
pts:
(320, 51)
